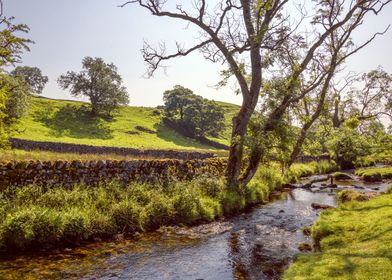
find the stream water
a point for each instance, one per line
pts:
(255, 245)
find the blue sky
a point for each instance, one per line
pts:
(65, 31)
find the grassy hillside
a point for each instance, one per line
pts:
(135, 127)
(230, 111)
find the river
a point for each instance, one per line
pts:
(258, 244)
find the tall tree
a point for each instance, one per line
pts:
(100, 82)
(239, 34)
(176, 100)
(367, 96)
(33, 77)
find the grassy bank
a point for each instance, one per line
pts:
(355, 242)
(375, 174)
(32, 217)
(134, 127)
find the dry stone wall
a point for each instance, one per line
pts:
(52, 173)
(87, 149)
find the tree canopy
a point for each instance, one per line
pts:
(193, 113)
(32, 76)
(100, 82)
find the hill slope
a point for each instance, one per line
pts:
(135, 127)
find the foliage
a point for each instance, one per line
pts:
(100, 82)
(298, 170)
(366, 97)
(267, 46)
(198, 116)
(32, 76)
(370, 160)
(13, 98)
(346, 145)
(12, 46)
(18, 98)
(355, 243)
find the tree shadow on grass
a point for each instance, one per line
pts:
(170, 135)
(76, 122)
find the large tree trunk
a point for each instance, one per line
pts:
(335, 118)
(240, 124)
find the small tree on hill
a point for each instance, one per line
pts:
(100, 82)
(17, 100)
(33, 77)
(193, 113)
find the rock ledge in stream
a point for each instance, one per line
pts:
(340, 176)
(318, 206)
(351, 195)
(305, 247)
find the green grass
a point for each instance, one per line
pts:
(135, 127)
(22, 155)
(355, 242)
(34, 217)
(298, 170)
(378, 173)
(230, 111)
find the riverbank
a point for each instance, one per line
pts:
(355, 242)
(35, 218)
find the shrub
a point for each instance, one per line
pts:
(16, 230)
(76, 226)
(160, 211)
(127, 216)
(232, 202)
(257, 192)
(209, 208)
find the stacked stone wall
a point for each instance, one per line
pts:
(29, 145)
(68, 173)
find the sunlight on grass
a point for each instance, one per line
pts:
(68, 122)
(355, 242)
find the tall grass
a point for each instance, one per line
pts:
(298, 170)
(34, 217)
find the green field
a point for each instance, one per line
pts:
(355, 241)
(133, 127)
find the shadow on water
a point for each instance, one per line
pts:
(76, 122)
(259, 244)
